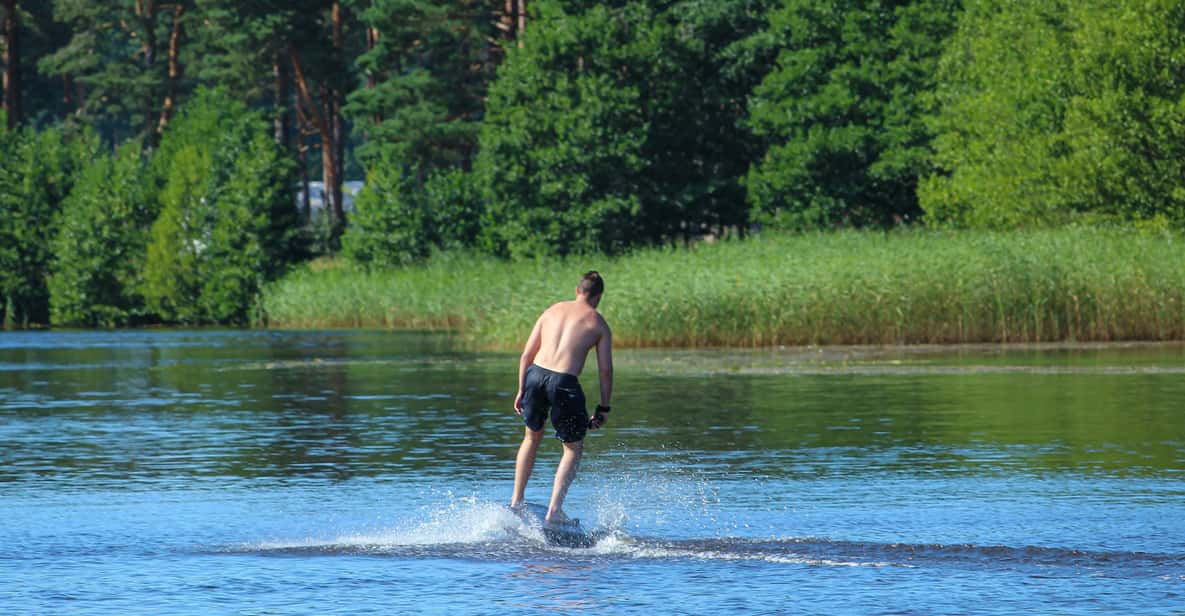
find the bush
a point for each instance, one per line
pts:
(226, 223)
(101, 243)
(388, 226)
(37, 171)
(173, 271)
(453, 206)
(246, 242)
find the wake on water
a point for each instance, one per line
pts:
(465, 526)
(471, 528)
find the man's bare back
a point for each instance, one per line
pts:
(567, 331)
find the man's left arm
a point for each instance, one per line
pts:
(605, 376)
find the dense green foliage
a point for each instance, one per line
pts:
(101, 243)
(616, 127)
(429, 67)
(238, 42)
(37, 172)
(221, 229)
(560, 157)
(396, 222)
(845, 111)
(1061, 111)
(837, 288)
(427, 73)
(117, 52)
(389, 226)
(186, 235)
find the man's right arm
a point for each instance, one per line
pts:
(530, 350)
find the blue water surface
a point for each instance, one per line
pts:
(248, 472)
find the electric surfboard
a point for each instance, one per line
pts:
(565, 534)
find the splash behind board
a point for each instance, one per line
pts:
(569, 535)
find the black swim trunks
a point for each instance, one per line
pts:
(545, 390)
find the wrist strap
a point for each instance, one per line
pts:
(602, 409)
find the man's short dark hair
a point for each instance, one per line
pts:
(591, 284)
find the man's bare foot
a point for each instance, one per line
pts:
(560, 518)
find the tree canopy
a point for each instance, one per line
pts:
(1055, 112)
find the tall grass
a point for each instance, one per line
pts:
(834, 288)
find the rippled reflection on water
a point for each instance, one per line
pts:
(310, 472)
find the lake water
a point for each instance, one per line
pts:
(260, 472)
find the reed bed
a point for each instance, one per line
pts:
(830, 288)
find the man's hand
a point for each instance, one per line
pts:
(599, 418)
(518, 402)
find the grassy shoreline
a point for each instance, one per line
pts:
(915, 287)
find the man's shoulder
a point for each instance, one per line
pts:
(602, 324)
(556, 308)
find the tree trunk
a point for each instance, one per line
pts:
(334, 107)
(506, 21)
(522, 22)
(74, 95)
(331, 162)
(337, 16)
(339, 142)
(146, 12)
(67, 91)
(301, 147)
(283, 95)
(302, 158)
(318, 117)
(174, 69)
(372, 81)
(12, 64)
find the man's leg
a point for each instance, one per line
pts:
(524, 463)
(564, 474)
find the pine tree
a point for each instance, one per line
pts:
(115, 52)
(242, 47)
(294, 57)
(428, 68)
(28, 32)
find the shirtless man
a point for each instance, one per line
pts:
(547, 380)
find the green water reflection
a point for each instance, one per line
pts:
(171, 405)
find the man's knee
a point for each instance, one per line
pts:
(535, 436)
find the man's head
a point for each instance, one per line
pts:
(590, 288)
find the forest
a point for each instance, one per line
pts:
(156, 157)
